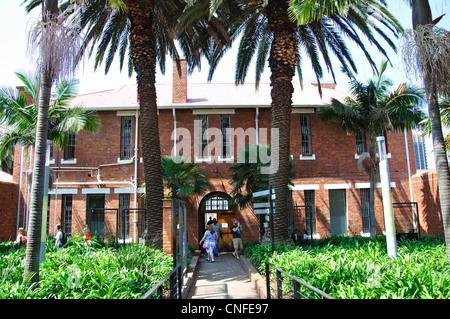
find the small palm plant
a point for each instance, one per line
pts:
(19, 112)
(370, 110)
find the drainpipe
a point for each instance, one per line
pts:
(136, 150)
(174, 132)
(410, 182)
(20, 189)
(257, 125)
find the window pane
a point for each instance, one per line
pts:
(124, 216)
(67, 214)
(365, 198)
(224, 128)
(360, 143)
(305, 130)
(310, 212)
(125, 141)
(203, 136)
(69, 152)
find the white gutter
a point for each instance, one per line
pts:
(20, 189)
(136, 150)
(257, 125)
(174, 132)
(410, 181)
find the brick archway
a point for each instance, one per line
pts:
(217, 205)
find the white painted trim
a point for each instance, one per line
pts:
(63, 191)
(338, 186)
(308, 158)
(69, 161)
(126, 113)
(141, 190)
(367, 185)
(315, 236)
(126, 161)
(203, 159)
(212, 111)
(123, 190)
(302, 187)
(306, 110)
(226, 159)
(95, 191)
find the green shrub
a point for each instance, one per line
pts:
(358, 267)
(79, 271)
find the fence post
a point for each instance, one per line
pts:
(268, 280)
(279, 283)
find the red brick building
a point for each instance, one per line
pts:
(105, 169)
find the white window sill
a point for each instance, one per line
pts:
(365, 234)
(388, 155)
(308, 158)
(203, 159)
(226, 159)
(125, 161)
(69, 161)
(52, 161)
(315, 236)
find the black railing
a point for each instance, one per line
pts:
(287, 286)
(173, 291)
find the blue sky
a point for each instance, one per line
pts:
(14, 24)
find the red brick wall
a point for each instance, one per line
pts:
(335, 163)
(8, 210)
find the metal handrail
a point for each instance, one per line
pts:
(159, 286)
(297, 282)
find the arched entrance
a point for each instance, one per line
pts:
(217, 205)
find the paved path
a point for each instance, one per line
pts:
(224, 279)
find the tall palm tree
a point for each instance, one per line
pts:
(144, 28)
(371, 110)
(435, 78)
(56, 41)
(274, 31)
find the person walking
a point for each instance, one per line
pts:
(58, 237)
(218, 230)
(236, 229)
(209, 240)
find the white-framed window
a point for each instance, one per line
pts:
(125, 137)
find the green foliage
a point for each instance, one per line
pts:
(79, 271)
(359, 268)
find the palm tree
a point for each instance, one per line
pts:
(431, 51)
(56, 41)
(371, 110)
(274, 31)
(246, 177)
(19, 117)
(144, 28)
(183, 179)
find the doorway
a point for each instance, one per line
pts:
(96, 219)
(338, 211)
(217, 206)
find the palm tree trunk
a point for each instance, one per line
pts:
(143, 55)
(282, 61)
(372, 172)
(422, 16)
(37, 189)
(31, 267)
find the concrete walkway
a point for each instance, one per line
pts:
(226, 278)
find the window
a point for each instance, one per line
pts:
(360, 143)
(226, 143)
(124, 216)
(67, 214)
(310, 215)
(420, 152)
(305, 130)
(216, 203)
(125, 138)
(69, 151)
(365, 203)
(203, 136)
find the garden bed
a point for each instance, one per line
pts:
(79, 271)
(359, 268)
